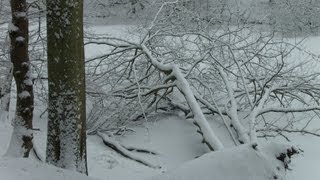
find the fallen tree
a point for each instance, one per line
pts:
(125, 152)
(203, 68)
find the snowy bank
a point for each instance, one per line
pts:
(246, 162)
(28, 169)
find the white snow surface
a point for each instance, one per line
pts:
(178, 146)
(12, 27)
(242, 162)
(28, 169)
(24, 94)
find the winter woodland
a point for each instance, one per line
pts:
(159, 89)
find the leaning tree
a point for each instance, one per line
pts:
(229, 71)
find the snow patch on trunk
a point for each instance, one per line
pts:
(24, 94)
(16, 148)
(12, 27)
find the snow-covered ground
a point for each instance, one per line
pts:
(27, 169)
(175, 142)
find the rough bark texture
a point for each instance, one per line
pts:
(66, 144)
(21, 140)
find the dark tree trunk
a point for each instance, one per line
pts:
(66, 144)
(22, 122)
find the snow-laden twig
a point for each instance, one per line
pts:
(254, 113)
(152, 24)
(215, 109)
(151, 90)
(288, 110)
(222, 117)
(242, 132)
(139, 95)
(242, 77)
(123, 151)
(278, 130)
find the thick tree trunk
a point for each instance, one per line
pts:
(21, 140)
(66, 144)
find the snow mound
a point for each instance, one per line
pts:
(246, 162)
(28, 169)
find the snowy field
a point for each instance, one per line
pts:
(171, 137)
(178, 145)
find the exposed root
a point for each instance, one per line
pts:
(285, 157)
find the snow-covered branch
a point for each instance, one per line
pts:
(208, 135)
(123, 151)
(254, 113)
(288, 110)
(233, 114)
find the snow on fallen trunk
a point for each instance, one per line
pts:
(27, 169)
(245, 162)
(209, 137)
(123, 151)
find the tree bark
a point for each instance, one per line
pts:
(21, 140)
(66, 143)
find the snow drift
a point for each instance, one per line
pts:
(245, 162)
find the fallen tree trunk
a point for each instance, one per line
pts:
(123, 151)
(173, 71)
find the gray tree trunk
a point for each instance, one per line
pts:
(66, 143)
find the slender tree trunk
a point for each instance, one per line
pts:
(21, 140)
(5, 95)
(66, 144)
(5, 87)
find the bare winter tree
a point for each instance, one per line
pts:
(236, 74)
(21, 140)
(66, 142)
